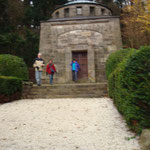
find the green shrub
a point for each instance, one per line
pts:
(10, 89)
(115, 63)
(115, 58)
(13, 66)
(10, 85)
(129, 86)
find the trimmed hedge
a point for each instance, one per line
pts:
(9, 86)
(116, 57)
(13, 66)
(129, 86)
(115, 64)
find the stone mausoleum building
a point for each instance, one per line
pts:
(83, 30)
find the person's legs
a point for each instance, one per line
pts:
(40, 77)
(76, 75)
(37, 77)
(73, 75)
(51, 78)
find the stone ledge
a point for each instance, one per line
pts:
(78, 90)
(27, 83)
(71, 84)
(145, 139)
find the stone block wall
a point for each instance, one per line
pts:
(72, 11)
(27, 86)
(99, 37)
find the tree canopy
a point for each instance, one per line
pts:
(20, 21)
(136, 23)
(19, 26)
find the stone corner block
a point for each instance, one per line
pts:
(145, 140)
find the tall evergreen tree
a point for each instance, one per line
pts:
(19, 22)
(37, 10)
(3, 14)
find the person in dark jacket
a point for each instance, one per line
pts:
(50, 70)
(38, 65)
(75, 68)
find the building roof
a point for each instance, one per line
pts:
(81, 1)
(74, 2)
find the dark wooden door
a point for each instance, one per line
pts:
(81, 58)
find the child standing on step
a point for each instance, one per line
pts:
(75, 68)
(50, 70)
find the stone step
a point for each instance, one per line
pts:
(77, 90)
(63, 96)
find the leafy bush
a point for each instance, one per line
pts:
(10, 88)
(13, 66)
(25, 46)
(115, 58)
(129, 86)
(10, 85)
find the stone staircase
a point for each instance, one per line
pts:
(76, 90)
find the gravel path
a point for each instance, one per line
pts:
(64, 124)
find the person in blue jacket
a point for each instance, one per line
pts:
(75, 68)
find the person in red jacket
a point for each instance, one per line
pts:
(50, 70)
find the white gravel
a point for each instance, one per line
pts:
(64, 124)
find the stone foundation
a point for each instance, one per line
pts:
(86, 90)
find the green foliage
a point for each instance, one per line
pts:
(11, 14)
(13, 66)
(19, 26)
(115, 58)
(129, 87)
(3, 14)
(30, 50)
(11, 43)
(22, 46)
(10, 85)
(40, 10)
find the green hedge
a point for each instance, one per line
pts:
(13, 66)
(115, 58)
(10, 89)
(129, 86)
(10, 85)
